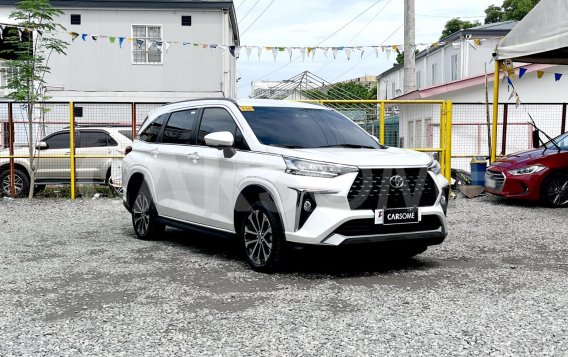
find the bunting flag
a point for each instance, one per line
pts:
(388, 51)
(522, 72)
(84, 37)
(258, 51)
(314, 53)
(362, 52)
(112, 39)
(248, 52)
(275, 53)
(334, 51)
(120, 41)
(303, 53)
(348, 53)
(477, 42)
(513, 93)
(377, 52)
(395, 48)
(168, 46)
(539, 74)
(325, 50)
(290, 52)
(139, 43)
(456, 45)
(557, 76)
(95, 37)
(74, 35)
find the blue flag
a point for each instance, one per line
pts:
(522, 72)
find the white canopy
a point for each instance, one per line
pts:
(541, 37)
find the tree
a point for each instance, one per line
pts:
(31, 46)
(510, 10)
(455, 25)
(400, 57)
(493, 14)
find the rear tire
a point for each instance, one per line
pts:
(21, 183)
(554, 190)
(144, 216)
(262, 238)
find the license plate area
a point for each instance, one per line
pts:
(397, 216)
(490, 183)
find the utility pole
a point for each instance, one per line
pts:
(409, 46)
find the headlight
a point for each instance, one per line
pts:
(316, 169)
(527, 170)
(434, 166)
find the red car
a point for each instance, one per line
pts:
(537, 174)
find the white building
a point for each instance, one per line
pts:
(456, 72)
(139, 70)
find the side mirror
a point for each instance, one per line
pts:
(42, 145)
(220, 139)
(535, 138)
(223, 140)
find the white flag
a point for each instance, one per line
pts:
(248, 52)
(388, 50)
(275, 53)
(303, 53)
(168, 46)
(290, 52)
(348, 53)
(258, 51)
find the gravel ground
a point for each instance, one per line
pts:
(75, 281)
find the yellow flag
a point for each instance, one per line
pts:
(310, 49)
(539, 74)
(395, 48)
(477, 42)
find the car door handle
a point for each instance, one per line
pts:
(194, 157)
(154, 152)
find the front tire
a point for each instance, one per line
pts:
(555, 190)
(21, 183)
(262, 238)
(144, 216)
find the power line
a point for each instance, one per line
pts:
(258, 17)
(355, 65)
(249, 11)
(451, 17)
(319, 43)
(241, 4)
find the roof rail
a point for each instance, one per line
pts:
(207, 98)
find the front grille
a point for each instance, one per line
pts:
(372, 189)
(499, 178)
(367, 226)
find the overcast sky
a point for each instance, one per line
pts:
(288, 23)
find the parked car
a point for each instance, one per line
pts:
(277, 172)
(539, 174)
(89, 141)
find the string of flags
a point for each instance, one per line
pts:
(305, 52)
(508, 69)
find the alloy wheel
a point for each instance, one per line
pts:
(557, 191)
(258, 237)
(18, 185)
(141, 213)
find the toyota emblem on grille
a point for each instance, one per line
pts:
(396, 181)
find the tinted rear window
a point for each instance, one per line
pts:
(127, 133)
(305, 128)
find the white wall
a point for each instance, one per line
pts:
(99, 68)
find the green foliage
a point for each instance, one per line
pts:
(510, 10)
(455, 25)
(400, 57)
(31, 52)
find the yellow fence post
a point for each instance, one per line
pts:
(382, 124)
(442, 153)
(495, 111)
(72, 146)
(448, 125)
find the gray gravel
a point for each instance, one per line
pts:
(75, 281)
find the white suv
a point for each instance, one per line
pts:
(274, 172)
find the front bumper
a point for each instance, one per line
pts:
(334, 223)
(500, 183)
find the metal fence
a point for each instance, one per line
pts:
(101, 132)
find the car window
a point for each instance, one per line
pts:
(179, 128)
(213, 120)
(150, 134)
(127, 133)
(58, 141)
(561, 141)
(92, 139)
(306, 128)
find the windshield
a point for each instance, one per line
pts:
(306, 128)
(561, 141)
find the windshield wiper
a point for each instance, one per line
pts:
(545, 134)
(355, 146)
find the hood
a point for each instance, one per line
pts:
(524, 158)
(390, 157)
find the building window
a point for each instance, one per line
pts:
(434, 74)
(393, 90)
(145, 48)
(75, 19)
(186, 20)
(454, 67)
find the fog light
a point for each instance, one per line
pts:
(308, 206)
